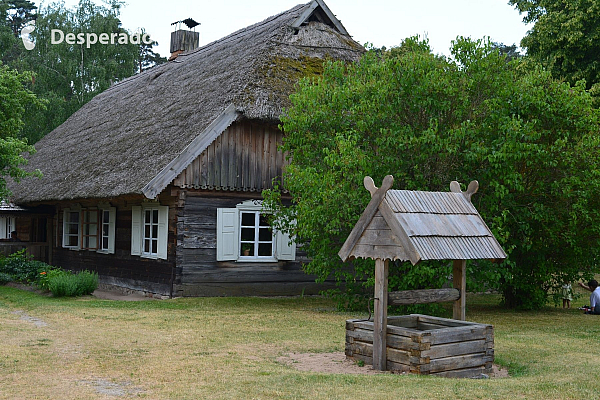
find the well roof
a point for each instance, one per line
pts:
(136, 136)
(417, 225)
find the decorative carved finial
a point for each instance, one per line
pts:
(370, 185)
(471, 189)
(387, 183)
(455, 187)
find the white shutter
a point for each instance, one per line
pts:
(163, 231)
(3, 224)
(286, 250)
(227, 234)
(112, 221)
(66, 214)
(136, 230)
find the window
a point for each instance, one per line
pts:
(149, 230)
(89, 228)
(243, 234)
(7, 225)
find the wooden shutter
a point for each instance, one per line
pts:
(286, 249)
(136, 230)
(163, 231)
(112, 221)
(227, 234)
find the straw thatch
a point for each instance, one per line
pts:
(128, 135)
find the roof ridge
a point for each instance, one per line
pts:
(246, 30)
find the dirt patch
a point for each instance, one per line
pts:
(36, 321)
(336, 363)
(114, 389)
(116, 295)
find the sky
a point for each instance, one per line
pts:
(379, 22)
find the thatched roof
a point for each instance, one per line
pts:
(135, 137)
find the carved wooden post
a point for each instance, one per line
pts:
(459, 281)
(380, 318)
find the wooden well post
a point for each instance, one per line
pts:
(380, 315)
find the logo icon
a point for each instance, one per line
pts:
(27, 29)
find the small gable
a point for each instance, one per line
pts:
(319, 12)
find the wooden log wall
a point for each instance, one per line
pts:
(199, 272)
(245, 157)
(427, 345)
(121, 268)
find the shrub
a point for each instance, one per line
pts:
(44, 277)
(5, 278)
(21, 267)
(65, 283)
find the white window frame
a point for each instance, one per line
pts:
(229, 240)
(7, 225)
(67, 214)
(138, 231)
(108, 233)
(81, 223)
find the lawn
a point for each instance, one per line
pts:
(227, 348)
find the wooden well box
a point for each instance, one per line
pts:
(429, 345)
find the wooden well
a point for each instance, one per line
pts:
(414, 226)
(426, 345)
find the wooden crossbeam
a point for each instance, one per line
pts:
(423, 296)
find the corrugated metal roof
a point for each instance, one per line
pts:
(429, 202)
(443, 225)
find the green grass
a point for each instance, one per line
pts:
(227, 348)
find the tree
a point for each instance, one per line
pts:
(69, 75)
(565, 37)
(19, 12)
(528, 139)
(13, 99)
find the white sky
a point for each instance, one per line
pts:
(381, 22)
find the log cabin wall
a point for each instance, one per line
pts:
(243, 158)
(121, 268)
(199, 272)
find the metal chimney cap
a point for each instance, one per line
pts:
(189, 22)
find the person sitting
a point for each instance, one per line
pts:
(13, 237)
(594, 298)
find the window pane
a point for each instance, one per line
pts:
(72, 241)
(73, 229)
(146, 246)
(263, 220)
(265, 249)
(247, 249)
(264, 235)
(154, 231)
(247, 234)
(154, 246)
(92, 242)
(155, 216)
(104, 229)
(147, 216)
(248, 219)
(105, 243)
(74, 217)
(147, 231)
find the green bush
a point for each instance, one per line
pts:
(44, 277)
(22, 268)
(64, 283)
(5, 278)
